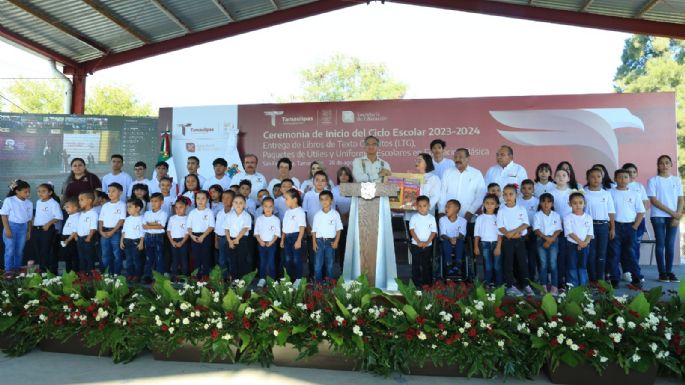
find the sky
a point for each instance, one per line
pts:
(437, 53)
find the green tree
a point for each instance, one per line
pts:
(47, 97)
(653, 64)
(115, 100)
(38, 97)
(345, 78)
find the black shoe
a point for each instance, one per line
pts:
(672, 277)
(663, 277)
(635, 285)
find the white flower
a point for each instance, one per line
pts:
(248, 311)
(186, 321)
(560, 339)
(500, 343)
(131, 306)
(185, 306)
(339, 319)
(603, 359)
(419, 293)
(653, 346)
(171, 330)
(574, 347)
(227, 337)
(616, 337)
(286, 317)
(275, 333)
(277, 303)
(358, 331)
(219, 325)
(631, 325)
(152, 308)
(478, 305)
(636, 357)
(433, 346)
(323, 333)
(429, 306)
(421, 336)
(553, 324)
(569, 342)
(467, 325)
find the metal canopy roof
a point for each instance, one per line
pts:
(90, 35)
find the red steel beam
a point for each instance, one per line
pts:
(537, 13)
(232, 29)
(78, 92)
(37, 48)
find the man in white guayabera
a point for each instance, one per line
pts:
(370, 168)
(506, 171)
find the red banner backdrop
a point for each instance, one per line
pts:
(584, 129)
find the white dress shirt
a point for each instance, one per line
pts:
(363, 170)
(513, 173)
(468, 187)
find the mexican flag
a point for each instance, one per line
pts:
(165, 147)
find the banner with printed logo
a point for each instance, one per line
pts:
(611, 129)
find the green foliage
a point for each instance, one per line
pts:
(655, 64)
(47, 97)
(345, 78)
(116, 100)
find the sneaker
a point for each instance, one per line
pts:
(514, 292)
(554, 291)
(528, 290)
(297, 283)
(673, 278)
(627, 277)
(663, 277)
(261, 283)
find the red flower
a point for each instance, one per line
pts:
(456, 315)
(420, 320)
(634, 313)
(246, 323)
(554, 343)
(263, 303)
(215, 333)
(230, 316)
(164, 327)
(472, 332)
(441, 326)
(409, 334)
(600, 324)
(360, 322)
(499, 313)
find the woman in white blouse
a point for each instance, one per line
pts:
(431, 184)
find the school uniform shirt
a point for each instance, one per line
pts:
(561, 204)
(326, 225)
(452, 229)
(220, 222)
(468, 187)
(530, 205)
(639, 189)
(599, 204)
(168, 205)
(293, 219)
(235, 223)
(17, 210)
(665, 190)
(97, 210)
(133, 227)
(258, 182)
(216, 207)
(280, 207)
(513, 173)
(342, 202)
(71, 224)
(224, 182)
(442, 166)
(512, 217)
(149, 183)
(112, 213)
(267, 228)
(311, 205)
(580, 225)
(122, 178)
(547, 224)
(173, 190)
(177, 226)
(486, 228)
(540, 188)
(160, 217)
(251, 207)
(628, 204)
(87, 221)
(200, 220)
(423, 226)
(275, 181)
(47, 211)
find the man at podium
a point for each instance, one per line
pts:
(370, 168)
(370, 243)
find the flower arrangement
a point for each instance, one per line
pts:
(477, 331)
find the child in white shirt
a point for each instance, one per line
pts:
(200, 225)
(547, 227)
(237, 226)
(17, 216)
(579, 232)
(154, 223)
(267, 230)
(178, 235)
(86, 230)
(112, 216)
(422, 229)
(530, 203)
(68, 251)
(600, 206)
(294, 224)
(629, 214)
(512, 222)
(488, 241)
(132, 239)
(46, 222)
(326, 229)
(452, 233)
